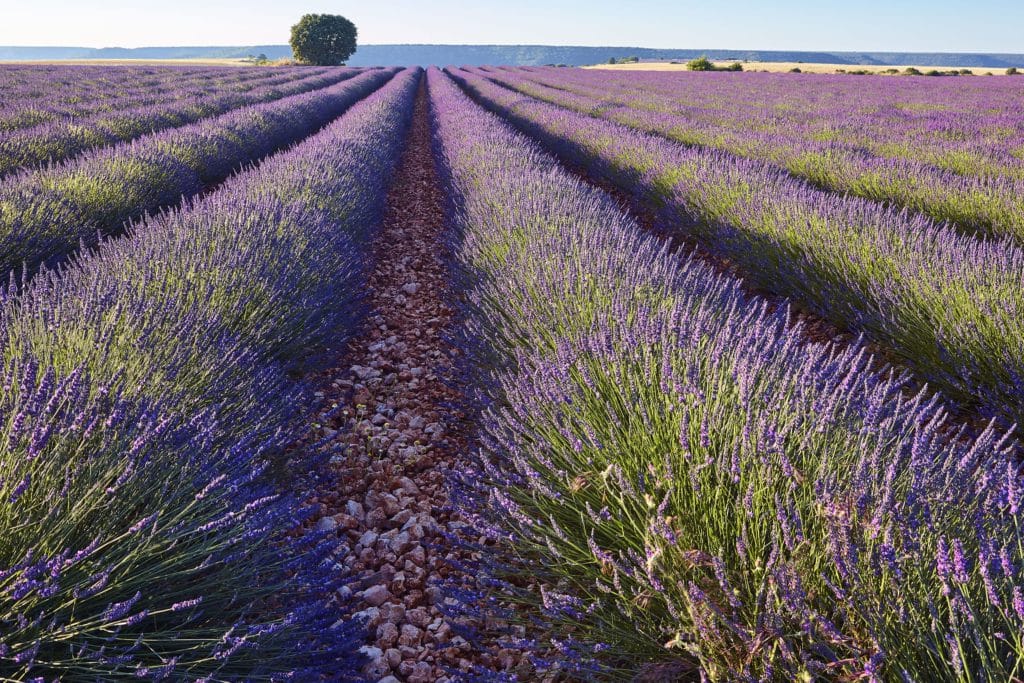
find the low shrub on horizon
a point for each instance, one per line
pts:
(700, 64)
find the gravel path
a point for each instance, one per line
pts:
(401, 434)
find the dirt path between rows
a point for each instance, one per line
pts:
(401, 432)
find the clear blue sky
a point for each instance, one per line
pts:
(880, 25)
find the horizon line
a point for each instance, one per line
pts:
(617, 47)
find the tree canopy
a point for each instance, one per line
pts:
(323, 39)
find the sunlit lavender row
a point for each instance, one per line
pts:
(676, 483)
(39, 93)
(150, 392)
(947, 304)
(953, 153)
(970, 125)
(43, 94)
(169, 105)
(46, 214)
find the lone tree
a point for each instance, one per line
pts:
(702, 63)
(323, 39)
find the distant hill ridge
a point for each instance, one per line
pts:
(523, 55)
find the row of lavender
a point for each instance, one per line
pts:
(47, 214)
(148, 390)
(691, 484)
(973, 127)
(173, 104)
(980, 197)
(38, 94)
(950, 305)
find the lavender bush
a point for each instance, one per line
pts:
(47, 214)
(693, 485)
(969, 126)
(952, 152)
(74, 91)
(947, 303)
(176, 104)
(41, 93)
(148, 389)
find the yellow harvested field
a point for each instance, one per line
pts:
(777, 67)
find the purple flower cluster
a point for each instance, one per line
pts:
(950, 149)
(947, 303)
(40, 93)
(48, 213)
(170, 103)
(687, 476)
(149, 388)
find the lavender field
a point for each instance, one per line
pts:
(510, 374)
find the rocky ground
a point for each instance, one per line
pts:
(400, 433)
